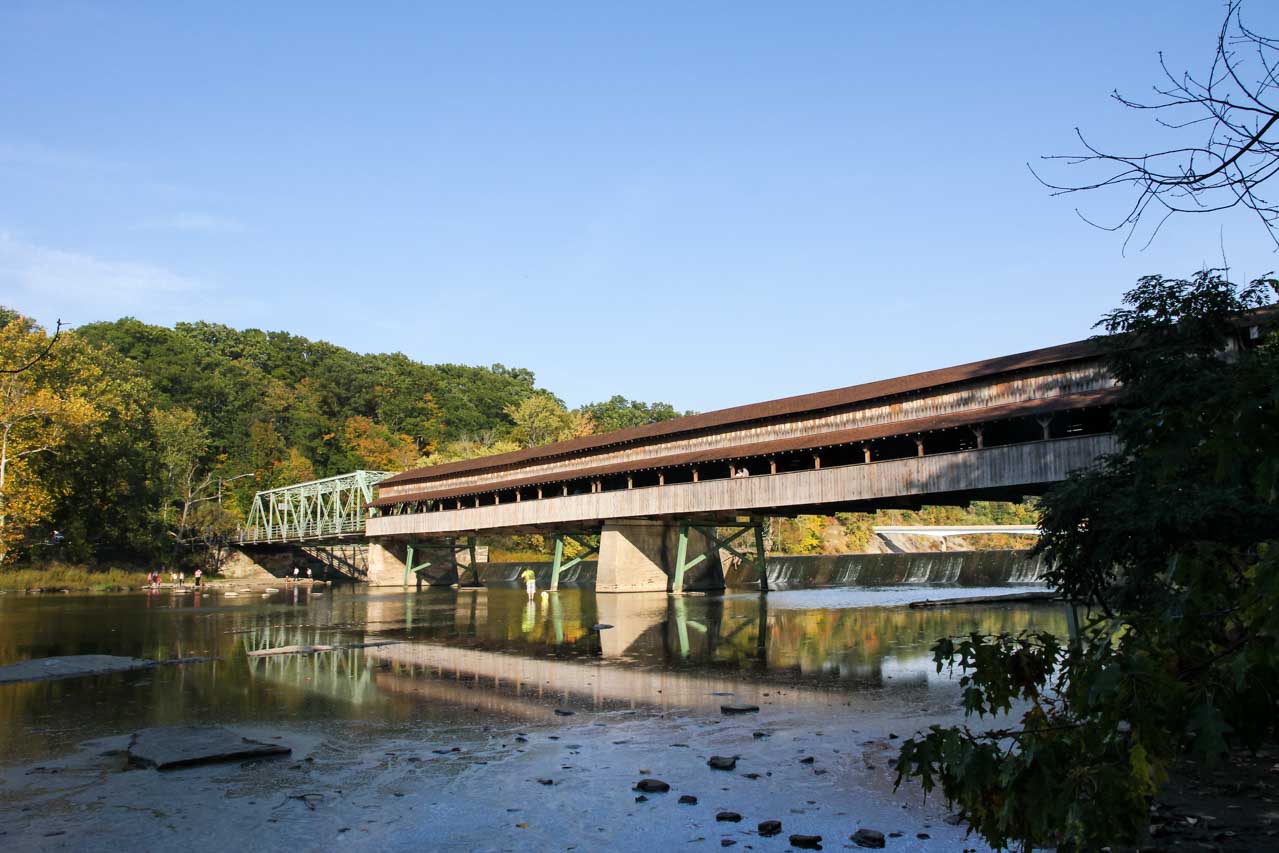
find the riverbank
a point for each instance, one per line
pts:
(499, 785)
(59, 577)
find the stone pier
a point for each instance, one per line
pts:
(386, 562)
(640, 556)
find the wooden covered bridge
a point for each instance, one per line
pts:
(662, 496)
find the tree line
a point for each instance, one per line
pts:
(126, 441)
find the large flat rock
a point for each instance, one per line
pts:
(188, 746)
(69, 666)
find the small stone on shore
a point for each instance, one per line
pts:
(868, 838)
(807, 760)
(768, 828)
(722, 762)
(806, 842)
(546, 781)
(563, 712)
(738, 708)
(728, 817)
(652, 786)
(688, 800)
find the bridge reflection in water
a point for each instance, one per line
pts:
(496, 653)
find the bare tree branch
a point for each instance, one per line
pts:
(1222, 170)
(33, 362)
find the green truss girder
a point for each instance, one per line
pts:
(320, 509)
(559, 565)
(450, 547)
(711, 531)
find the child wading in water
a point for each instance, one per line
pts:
(530, 582)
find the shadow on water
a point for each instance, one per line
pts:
(468, 657)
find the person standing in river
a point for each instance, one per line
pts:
(199, 573)
(530, 582)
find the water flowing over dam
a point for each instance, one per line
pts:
(953, 568)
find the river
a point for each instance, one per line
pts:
(442, 734)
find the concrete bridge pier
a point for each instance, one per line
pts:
(639, 555)
(423, 563)
(386, 562)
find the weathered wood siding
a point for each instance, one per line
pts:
(961, 471)
(1039, 385)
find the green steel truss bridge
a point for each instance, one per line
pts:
(331, 509)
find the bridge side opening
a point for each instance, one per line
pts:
(681, 474)
(840, 455)
(893, 447)
(1014, 431)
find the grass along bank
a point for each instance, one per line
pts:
(59, 576)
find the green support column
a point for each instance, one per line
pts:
(763, 562)
(408, 562)
(475, 567)
(559, 559)
(677, 583)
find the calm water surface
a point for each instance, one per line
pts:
(466, 658)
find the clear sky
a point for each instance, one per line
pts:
(703, 203)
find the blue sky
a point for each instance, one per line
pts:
(708, 204)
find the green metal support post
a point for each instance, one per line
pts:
(761, 556)
(711, 532)
(559, 565)
(559, 558)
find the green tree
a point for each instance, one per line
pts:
(1172, 546)
(617, 412)
(540, 419)
(182, 449)
(47, 400)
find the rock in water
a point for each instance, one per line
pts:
(688, 800)
(730, 817)
(868, 838)
(546, 781)
(169, 748)
(722, 762)
(652, 786)
(769, 828)
(69, 666)
(564, 712)
(806, 842)
(738, 708)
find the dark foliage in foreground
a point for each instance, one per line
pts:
(1171, 549)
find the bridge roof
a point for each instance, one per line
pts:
(786, 406)
(765, 448)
